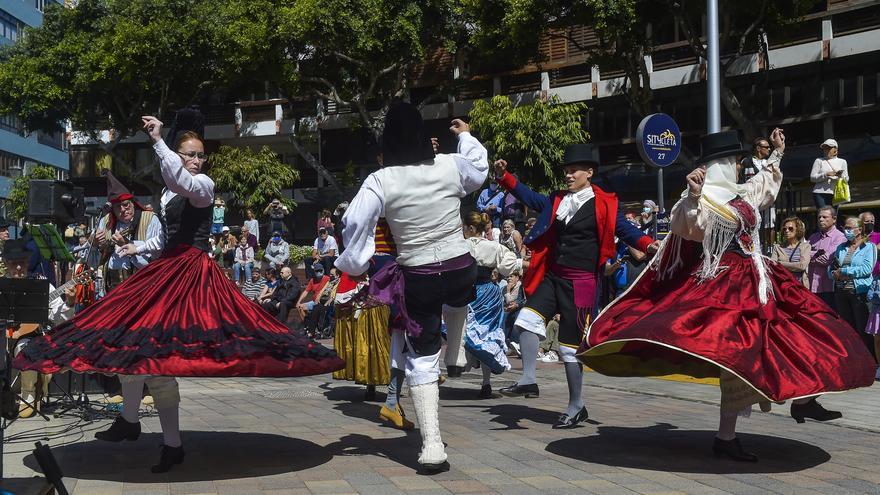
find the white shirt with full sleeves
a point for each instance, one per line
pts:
(421, 203)
(491, 254)
(198, 189)
(818, 174)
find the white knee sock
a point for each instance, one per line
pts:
(487, 374)
(727, 425)
(169, 418)
(132, 392)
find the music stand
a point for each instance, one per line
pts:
(49, 242)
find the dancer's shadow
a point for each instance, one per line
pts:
(662, 447)
(210, 455)
(510, 415)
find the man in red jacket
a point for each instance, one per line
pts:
(573, 237)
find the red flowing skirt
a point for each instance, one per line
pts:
(178, 316)
(793, 346)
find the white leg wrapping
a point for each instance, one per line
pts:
(426, 400)
(398, 342)
(456, 320)
(567, 354)
(531, 321)
(422, 369)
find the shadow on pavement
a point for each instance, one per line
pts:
(401, 450)
(662, 447)
(210, 455)
(510, 415)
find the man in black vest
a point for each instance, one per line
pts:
(573, 237)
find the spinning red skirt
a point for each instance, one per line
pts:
(793, 346)
(178, 316)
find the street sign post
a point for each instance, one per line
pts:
(659, 142)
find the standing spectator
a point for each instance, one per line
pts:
(516, 211)
(490, 202)
(218, 216)
(748, 167)
(826, 172)
(648, 219)
(325, 222)
(511, 238)
(325, 249)
(251, 238)
(253, 287)
(851, 269)
(276, 211)
(867, 219)
(244, 259)
(628, 263)
(284, 296)
(822, 247)
(252, 224)
(873, 326)
(794, 252)
(277, 251)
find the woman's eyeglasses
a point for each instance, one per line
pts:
(788, 229)
(194, 155)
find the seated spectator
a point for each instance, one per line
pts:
(251, 238)
(285, 295)
(548, 350)
(511, 238)
(277, 252)
(309, 305)
(244, 260)
(325, 250)
(514, 300)
(253, 288)
(271, 277)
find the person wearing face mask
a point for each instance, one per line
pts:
(277, 252)
(491, 202)
(179, 315)
(851, 268)
(647, 219)
(710, 305)
(873, 234)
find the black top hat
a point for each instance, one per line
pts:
(186, 119)
(584, 154)
(4, 222)
(720, 145)
(16, 249)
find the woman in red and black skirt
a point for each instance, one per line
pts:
(179, 316)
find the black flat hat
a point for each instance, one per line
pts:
(583, 154)
(720, 145)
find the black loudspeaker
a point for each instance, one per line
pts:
(55, 200)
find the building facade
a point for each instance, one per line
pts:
(21, 150)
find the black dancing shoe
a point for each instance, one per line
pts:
(454, 371)
(732, 449)
(813, 410)
(120, 430)
(431, 469)
(169, 457)
(566, 421)
(516, 390)
(485, 392)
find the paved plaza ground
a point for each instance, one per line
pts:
(316, 435)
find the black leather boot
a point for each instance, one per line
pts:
(813, 410)
(120, 430)
(732, 449)
(169, 457)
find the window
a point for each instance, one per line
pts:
(9, 26)
(40, 5)
(850, 96)
(10, 123)
(869, 89)
(10, 165)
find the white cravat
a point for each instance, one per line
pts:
(572, 202)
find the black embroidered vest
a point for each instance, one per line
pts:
(577, 243)
(186, 224)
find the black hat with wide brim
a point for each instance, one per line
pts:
(719, 145)
(581, 154)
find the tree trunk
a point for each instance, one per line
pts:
(313, 162)
(745, 123)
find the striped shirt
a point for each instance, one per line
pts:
(384, 240)
(253, 289)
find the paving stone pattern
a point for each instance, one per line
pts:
(316, 436)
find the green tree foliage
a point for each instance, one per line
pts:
(511, 31)
(532, 138)
(18, 194)
(253, 177)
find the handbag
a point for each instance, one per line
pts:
(841, 190)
